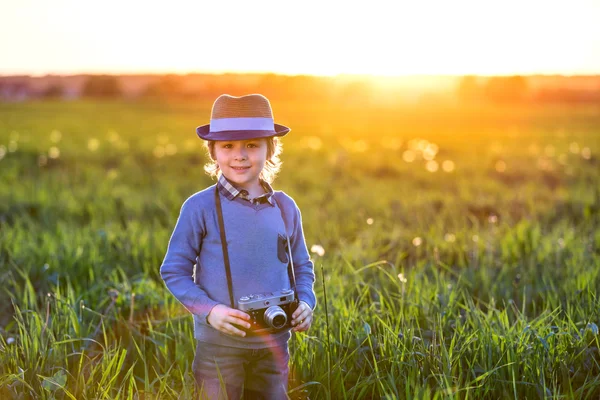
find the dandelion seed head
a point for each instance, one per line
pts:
(430, 151)
(475, 238)
(492, 219)
(13, 146)
(422, 144)
(10, 340)
(369, 221)
(93, 144)
(500, 166)
(409, 155)
(417, 241)
(586, 153)
(171, 149)
(402, 277)
(574, 148)
(54, 152)
(317, 249)
(432, 166)
(448, 165)
(450, 237)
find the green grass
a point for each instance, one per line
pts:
(498, 296)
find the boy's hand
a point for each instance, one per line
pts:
(222, 318)
(302, 318)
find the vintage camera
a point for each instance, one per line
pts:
(269, 312)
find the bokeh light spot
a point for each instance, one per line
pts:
(54, 152)
(500, 166)
(432, 166)
(448, 165)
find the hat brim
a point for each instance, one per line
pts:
(203, 132)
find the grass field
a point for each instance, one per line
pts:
(461, 249)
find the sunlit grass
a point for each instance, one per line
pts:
(473, 278)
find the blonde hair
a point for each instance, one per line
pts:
(269, 171)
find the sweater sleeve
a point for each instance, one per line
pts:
(303, 265)
(178, 265)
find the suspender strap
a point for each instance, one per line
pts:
(291, 274)
(224, 246)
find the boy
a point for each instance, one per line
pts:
(235, 234)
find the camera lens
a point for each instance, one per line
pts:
(279, 320)
(275, 317)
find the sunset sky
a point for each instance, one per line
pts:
(306, 37)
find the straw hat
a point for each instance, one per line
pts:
(240, 118)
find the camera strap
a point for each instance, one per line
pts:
(291, 274)
(224, 245)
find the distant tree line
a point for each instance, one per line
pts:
(499, 89)
(469, 89)
(102, 86)
(516, 89)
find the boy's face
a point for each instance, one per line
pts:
(241, 161)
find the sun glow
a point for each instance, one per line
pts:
(320, 38)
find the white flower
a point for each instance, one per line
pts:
(450, 237)
(317, 249)
(402, 278)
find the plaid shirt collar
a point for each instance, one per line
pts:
(231, 192)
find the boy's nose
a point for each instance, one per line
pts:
(240, 154)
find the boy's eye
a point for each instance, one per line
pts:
(227, 146)
(252, 145)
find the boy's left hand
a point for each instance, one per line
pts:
(302, 318)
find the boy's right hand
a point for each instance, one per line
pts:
(222, 318)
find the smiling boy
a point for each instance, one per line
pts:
(208, 270)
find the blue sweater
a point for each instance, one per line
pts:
(193, 268)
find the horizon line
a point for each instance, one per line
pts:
(233, 72)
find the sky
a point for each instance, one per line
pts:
(420, 37)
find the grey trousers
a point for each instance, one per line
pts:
(223, 372)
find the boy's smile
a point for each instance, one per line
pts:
(241, 161)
